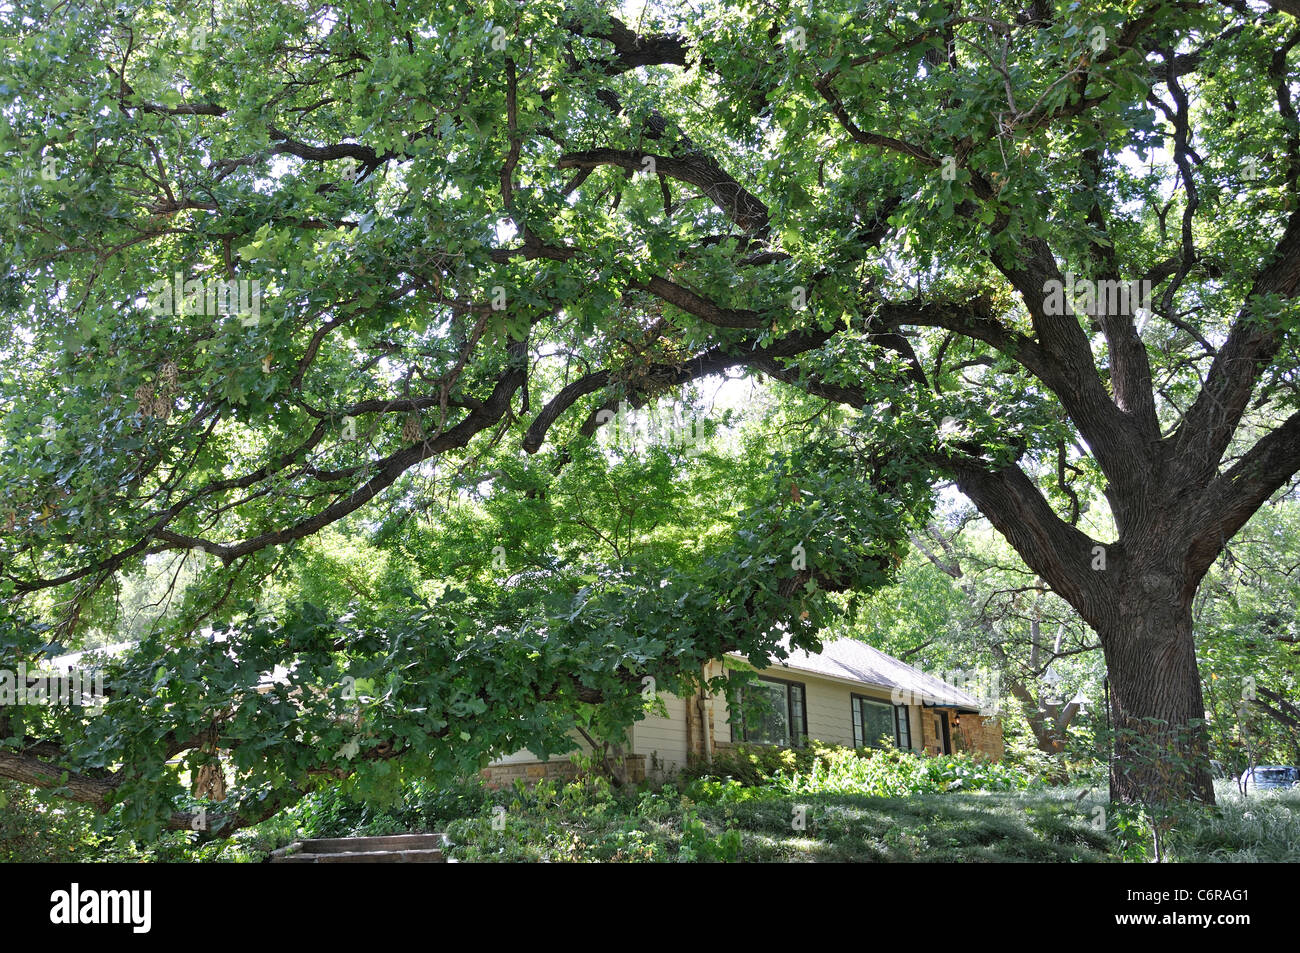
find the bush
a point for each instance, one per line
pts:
(36, 827)
(421, 807)
(754, 765)
(830, 769)
(335, 811)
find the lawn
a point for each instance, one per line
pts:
(983, 827)
(704, 822)
(819, 804)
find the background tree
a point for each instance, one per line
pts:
(1247, 627)
(1045, 657)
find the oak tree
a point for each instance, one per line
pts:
(267, 264)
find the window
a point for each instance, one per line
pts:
(903, 729)
(781, 718)
(874, 720)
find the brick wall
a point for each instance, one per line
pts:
(976, 734)
(530, 772)
(980, 735)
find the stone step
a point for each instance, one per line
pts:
(365, 857)
(392, 849)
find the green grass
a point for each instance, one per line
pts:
(855, 807)
(723, 819)
(746, 824)
(1263, 828)
(977, 828)
(981, 828)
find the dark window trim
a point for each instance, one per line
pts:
(855, 697)
(800, 736)
(902, 712)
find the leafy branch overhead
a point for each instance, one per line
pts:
(452, 236)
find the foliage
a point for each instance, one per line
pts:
(36, 827)
(887, 772)
(1248, 623)
(720, 820)
(464, 267)
(420, 667)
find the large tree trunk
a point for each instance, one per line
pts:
(1156, 708)
(1137, 595)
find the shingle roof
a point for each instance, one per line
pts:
(859, 662)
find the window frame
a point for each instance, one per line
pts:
(859, 723)
(799, 731)
(902, 723)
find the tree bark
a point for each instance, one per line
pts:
(1136, 593)
(1157, 711)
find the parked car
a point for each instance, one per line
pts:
(1269, 776)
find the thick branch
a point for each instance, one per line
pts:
(1054, 549)
(632, 49)
(699, 170)
(1237, 493)
(1209, 424)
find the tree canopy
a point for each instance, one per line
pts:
(457, 241)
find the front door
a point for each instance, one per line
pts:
(941, 736)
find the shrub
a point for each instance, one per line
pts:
(830, 769)
(39, 827)
(753, 765)
(421, 806)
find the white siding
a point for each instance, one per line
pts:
(828, 707)
(830, 714)
(665, 737)
(523, 755)
(914, 718)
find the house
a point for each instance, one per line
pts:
(847, 694)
